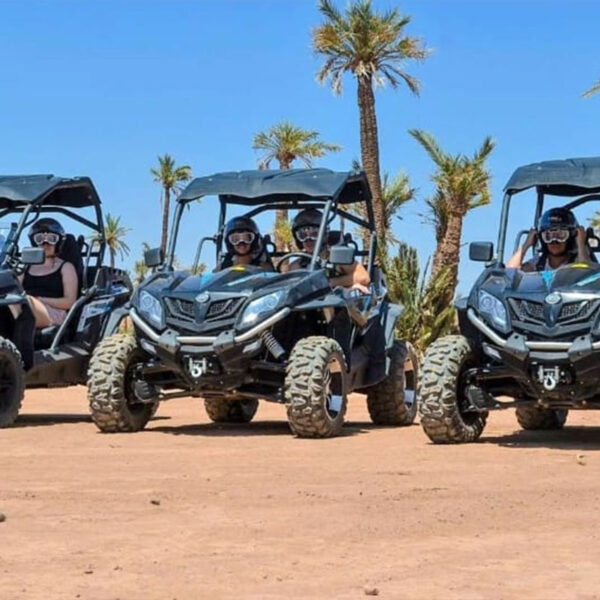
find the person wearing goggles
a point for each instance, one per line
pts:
(244, 244)
(305, 230)
(52, 286)
(562, 241)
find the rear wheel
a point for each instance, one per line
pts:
(445, 414)
(230, 411)
(113, 404)
(315, 388)
(534, 417)
(393, 401)
(12, 382)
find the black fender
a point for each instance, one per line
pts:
(390, 313)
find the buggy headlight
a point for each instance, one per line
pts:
(490, 306)
(260, 307)
(151, 308)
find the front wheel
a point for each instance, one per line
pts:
(12, 382)
(315, 388)
(113, 404)
(393, 401)
(230, 411)
(446, 417)
(536, 418)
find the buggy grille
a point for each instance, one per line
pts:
(180, 309)
(526, 310)
(222, 309)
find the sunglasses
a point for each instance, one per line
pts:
(46, 238)
(558, 235)
(235, 238)
(307, 232)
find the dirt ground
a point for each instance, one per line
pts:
(189, 509)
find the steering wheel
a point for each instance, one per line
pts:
(287, 257)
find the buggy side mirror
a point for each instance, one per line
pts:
(154, 257)
(481, 251)
(33, 256)
(341, 255)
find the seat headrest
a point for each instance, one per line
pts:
(70, 252)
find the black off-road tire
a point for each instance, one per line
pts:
(113, 405)
(12, 382)
(441, 395)
(386, 400)
(535, 417)
(307, 388)
(230, 411)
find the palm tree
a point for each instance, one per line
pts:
(139, 266)
(593, 90)
(286, 143)
(462, 183)
(427, 315)
(169, 177)
(114, 233)
(373, 47)
(395, 192)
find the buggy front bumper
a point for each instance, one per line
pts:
(522, 359)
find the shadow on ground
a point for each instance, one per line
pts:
(255, 428)
(47, 419)
(569, 438)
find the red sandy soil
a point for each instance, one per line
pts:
(188, 509)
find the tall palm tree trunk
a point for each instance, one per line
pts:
(449, 251)
(281, 214)
(369, 147)
(112, 254)
(165, 220)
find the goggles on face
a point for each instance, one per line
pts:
(307, 232)
(46, 237)
(235, 238)
(559, 235)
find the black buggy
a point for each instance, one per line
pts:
(534, 337)
(242, 333)
(56, 356)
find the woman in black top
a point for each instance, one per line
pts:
(52, 286)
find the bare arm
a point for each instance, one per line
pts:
(516, 260)
(354, 275)
(69, 279)
(583, 252)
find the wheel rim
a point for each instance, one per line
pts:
(333, 402)
(134, 405)
(469, 417)
(8, 381)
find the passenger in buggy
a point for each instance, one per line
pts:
(244, 245)
(51, 287)
(305, 229)
(562, 240)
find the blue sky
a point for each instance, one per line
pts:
(102, 88)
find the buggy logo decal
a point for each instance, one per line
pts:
(203, 297)
(553, 298)
(589, 279)
(548, 277)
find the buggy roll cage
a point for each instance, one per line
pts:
(563, 178)
(329, 204)
(51, 194)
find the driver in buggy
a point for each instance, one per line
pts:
(563, 241)
(305, 229)
(244, 245)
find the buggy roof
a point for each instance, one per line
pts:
(570, 177)
(295, 185)
(73, 192)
